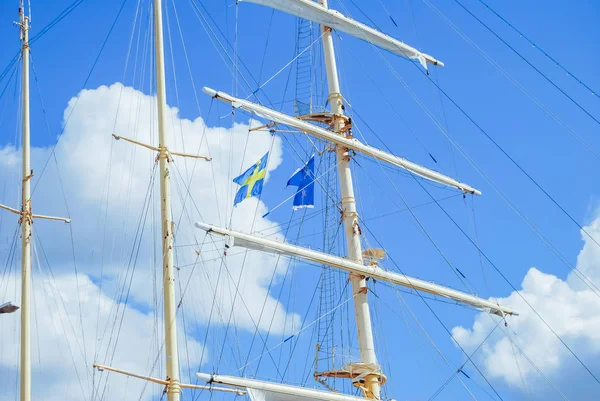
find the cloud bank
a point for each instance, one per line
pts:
(113, 202)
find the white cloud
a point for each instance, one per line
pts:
(64, 350)
(106, 183)
(568, 306)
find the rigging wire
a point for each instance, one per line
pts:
(550, 197)
(60, 135)
(522, 35)
(516, 164)
(528, 63)
(62, 189)
(460, 369)
(58, 294)
(501, 274)
(536, 101)
(483, 254)
(531, 226)
(68, 10)
(517, 292)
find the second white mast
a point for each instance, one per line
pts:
(26, 221)
(170, 308)
(350, 218)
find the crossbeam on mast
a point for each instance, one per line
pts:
(157, 149)
(324, 16)
(293, 392)
(340, 140)
(167, 382)
(33, 215)
(267, 245)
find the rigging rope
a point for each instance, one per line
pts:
(521, 34)
(580, 275)
(529, 63)
(536, 101)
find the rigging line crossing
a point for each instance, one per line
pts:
(429, 307)
(60, 135)
(264, 304)
(532, 227)
(68, 10)
(255, 324)
(203, 137)
(521, 34)
(513, 161)
(10, 64)
(522, 377)
(426, 334)
(528, 62)
(62, 189)
(514, 342)
(586, 280)
(514, 288)
(536, 101)
(504, 277)
(460, 369)
(131, 266)
(454, 269)
(285, 66)
(292, 282)
(237, 292)
(304, 327)
(476, 236)
(438, 318)
(208, 279)
(106, 186)
(58, 294)
(9, 79)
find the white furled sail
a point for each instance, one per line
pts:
(315, 12)
(267, 245)
(266, 391)
(350, 143)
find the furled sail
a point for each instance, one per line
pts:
(350, 143)
(267, 245)
(315, 12)
(266, 391)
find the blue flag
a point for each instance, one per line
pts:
(304, 179)
(252, 180)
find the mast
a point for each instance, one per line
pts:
(350, 218)
(170, 309)
(26, 219)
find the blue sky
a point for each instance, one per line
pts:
(558, 162)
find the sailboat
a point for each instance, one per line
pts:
(335, 129)
(360, 266)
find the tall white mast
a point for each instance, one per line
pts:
(172, 358)
(350, 218)
(26, 219)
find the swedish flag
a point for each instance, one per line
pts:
(252, 180)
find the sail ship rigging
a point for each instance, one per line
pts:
(223, 241)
